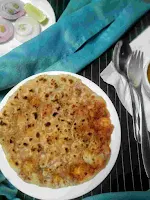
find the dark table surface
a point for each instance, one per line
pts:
(128, 173)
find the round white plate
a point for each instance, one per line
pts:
(73, 191)
(44, 6)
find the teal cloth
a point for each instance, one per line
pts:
(84, 31)
(121, 196)
(6, 189)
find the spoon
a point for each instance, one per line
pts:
(120, 58)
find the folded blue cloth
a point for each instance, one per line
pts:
(7, 189)
(57, 48)
(83, 32)
(121, 196)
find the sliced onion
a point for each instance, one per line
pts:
(6, 30)
(26, 28)
(11, 9)
(3, 30)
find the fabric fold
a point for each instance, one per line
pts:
(103, 40)
(6, 189)
(61, 40)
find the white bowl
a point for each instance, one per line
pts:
(73, 191)
(146, 83)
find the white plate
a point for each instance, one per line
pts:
(73, 191)
(44, 6)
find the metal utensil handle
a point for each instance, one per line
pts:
(145, 138)
(136, 124)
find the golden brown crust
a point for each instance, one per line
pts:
(55, 131)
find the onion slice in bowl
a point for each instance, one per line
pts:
(26, 28)
(6, 30)
(11, 9)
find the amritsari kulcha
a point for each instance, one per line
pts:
(55, 131)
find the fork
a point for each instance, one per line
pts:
(135, 74)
